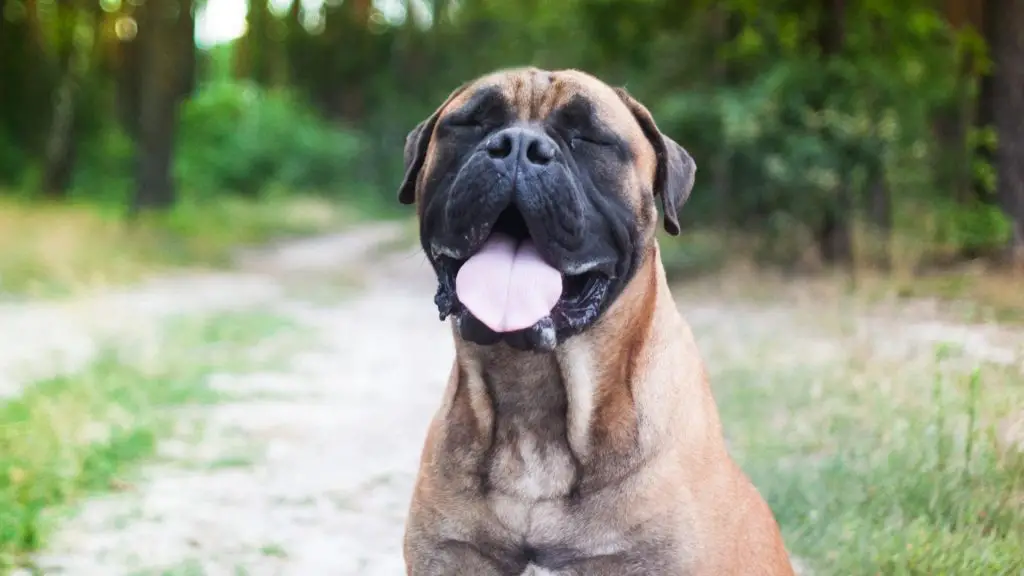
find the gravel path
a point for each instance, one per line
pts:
(331, 443)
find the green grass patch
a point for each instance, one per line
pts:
(69, 436)
(876, 468)
(59, 249)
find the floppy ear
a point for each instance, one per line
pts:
(416, 143)
(676, 170)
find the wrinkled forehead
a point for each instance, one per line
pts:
(533, 95)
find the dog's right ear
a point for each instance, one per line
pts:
(416, 144)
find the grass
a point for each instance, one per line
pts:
(60, 249)
(875, 468)
(991, 295)
(981, 293)
(67, 437)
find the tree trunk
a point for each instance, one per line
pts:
(61, 141)
(26, 83)
(254, 58)
(880, 212)
(127, 80)
(953, 124)
(352, 100)
(186, 36)
(721, 163)
(1008, 95)
(834, 234)
(983, 116)
(61, 149)
(160, 89)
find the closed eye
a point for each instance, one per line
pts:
(464, 121)
(592, 141)
(581, 125)
(485, 109)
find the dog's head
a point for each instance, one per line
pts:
(543, 184)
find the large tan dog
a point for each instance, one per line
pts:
(578, 434)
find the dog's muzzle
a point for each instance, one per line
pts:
(513, 257)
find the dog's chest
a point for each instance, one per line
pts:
(529, 468)
(530, 484)
(553, 532)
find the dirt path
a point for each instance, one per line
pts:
(41, 339)
(330, 446)
(331, 443)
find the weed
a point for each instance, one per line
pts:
(875, 468)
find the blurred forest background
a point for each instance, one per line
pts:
(855, 133)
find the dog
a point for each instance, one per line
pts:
(577, 434)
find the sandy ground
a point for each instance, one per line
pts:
(331, 443)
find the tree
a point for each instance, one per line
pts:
(257, 56)
(834, 233)
(77, 30)
(1007, 44)
(163, 28)
(25, 86)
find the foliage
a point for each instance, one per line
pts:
(806, 117)
(273, 140)
(802, 128)
(236, 139)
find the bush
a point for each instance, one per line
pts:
(234, 138)
(238, 137)
(105, 173)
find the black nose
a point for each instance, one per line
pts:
(521, 144)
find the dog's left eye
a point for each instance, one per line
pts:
(577, 138)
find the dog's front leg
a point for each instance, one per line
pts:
(453, 559)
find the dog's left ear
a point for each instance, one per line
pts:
(415, 152)
(676, 170)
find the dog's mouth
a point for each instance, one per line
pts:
(507, 290)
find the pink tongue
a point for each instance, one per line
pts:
(507, 285)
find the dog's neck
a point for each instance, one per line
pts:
(546, 424)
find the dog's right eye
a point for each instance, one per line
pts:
(463, 121)
(478, 117)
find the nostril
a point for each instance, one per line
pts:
(500, 146)
(540, 151)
